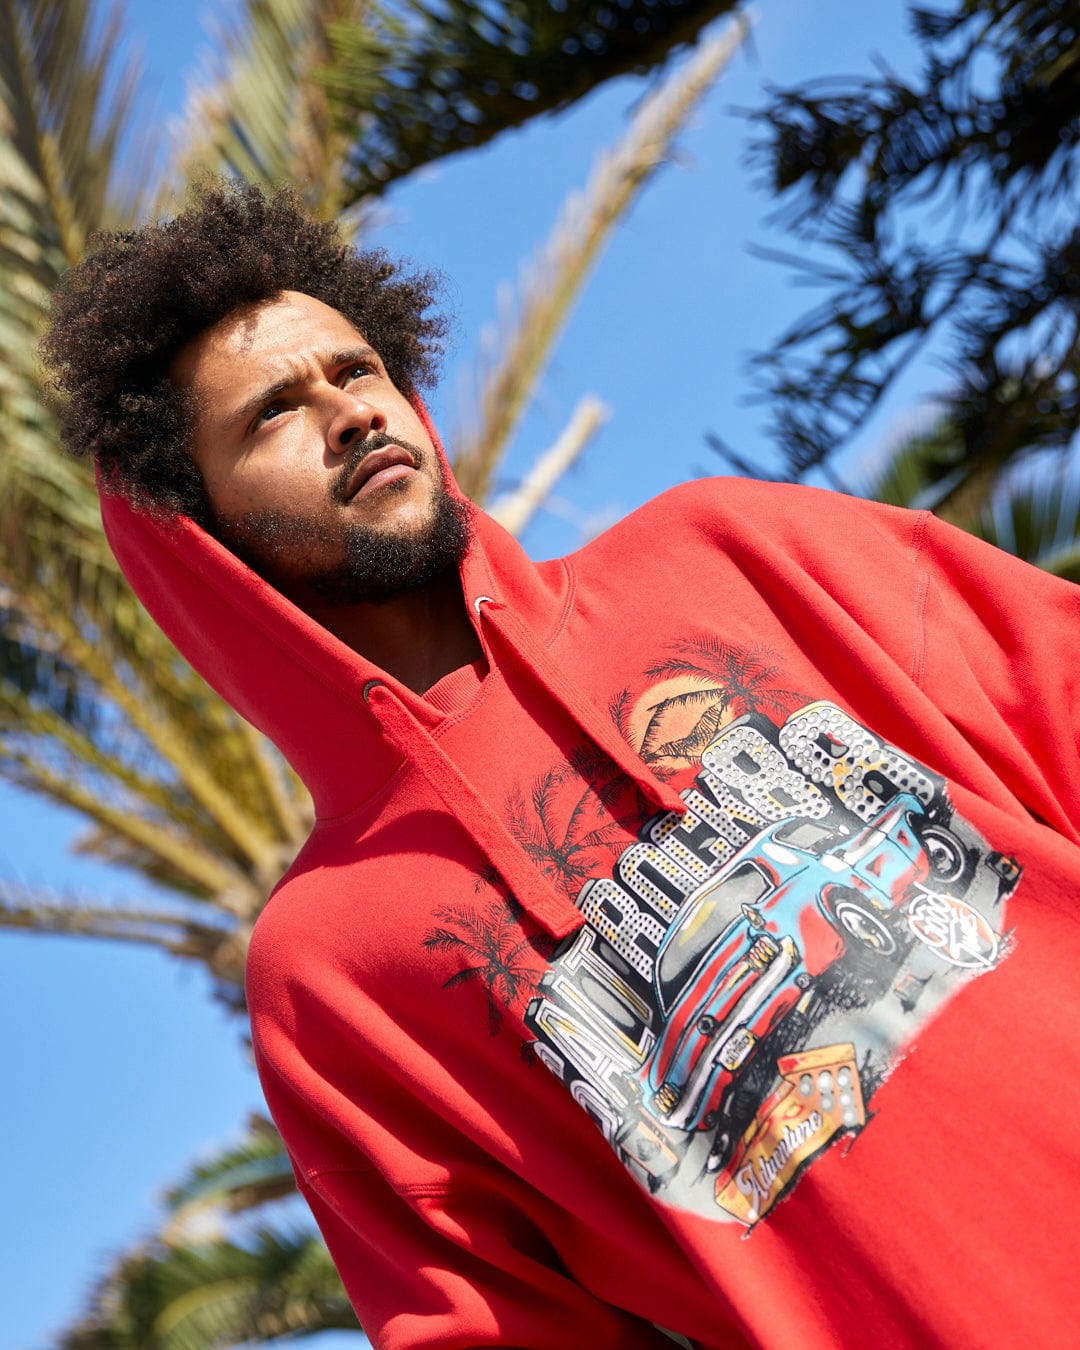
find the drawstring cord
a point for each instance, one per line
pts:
(520, 639)
(418, 747)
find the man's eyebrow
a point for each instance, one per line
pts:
(259, 401)
(360, 353)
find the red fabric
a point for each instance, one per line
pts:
(406, 1009)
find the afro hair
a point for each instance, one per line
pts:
(121, 316)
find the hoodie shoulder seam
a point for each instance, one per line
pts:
(922, 597)
(568, 603)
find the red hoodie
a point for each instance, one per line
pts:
(707, 957)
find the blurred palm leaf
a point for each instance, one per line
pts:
(63, 118)
(461, 73)
(922, 469)
(262, 110)
(243, 1177)
(518, 349)
(986, 135)
(229, 1266)
(97, 711)
(278, 1282)
(1032, 512)
(1038, 518)
(343, 97)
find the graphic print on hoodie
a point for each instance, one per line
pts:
(751, 971)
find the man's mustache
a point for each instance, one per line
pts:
(377, 440)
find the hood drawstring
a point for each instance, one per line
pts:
(520, 639)
(415, 743)
(418, 747)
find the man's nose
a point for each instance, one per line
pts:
(352, 418)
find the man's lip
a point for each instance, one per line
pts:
(374, 462)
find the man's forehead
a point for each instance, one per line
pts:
(270, 336)
(291, 316)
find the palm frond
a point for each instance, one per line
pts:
(175, 927)
(689, 698)
(84, 671)
(463, 73)
(154, 846)
(570, 842)
(1037, 517)
(262, 111)
(466, 918)
(780, 701)
(691, 745)
(524, 826)
(469, 975)
(247, 1175)
(519, 348)
(611, 835)
(986, 129)
(542, 794)
(711, 651)
(65, 109)
(215, 1294)
(596, 768)
(442, 940)
(620, 709)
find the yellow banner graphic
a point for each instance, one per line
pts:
(819, 1096)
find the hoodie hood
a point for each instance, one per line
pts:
(343, 723)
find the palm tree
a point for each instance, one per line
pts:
(234, 1263)
(984, 132)
(97, 711)
(554, 833)
(1029, 507)
(719, 681)
(1038, 519)
(278, 1282)
(490, 943)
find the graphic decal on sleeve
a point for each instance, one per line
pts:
(750, 973)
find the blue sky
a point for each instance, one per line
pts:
(119, 1067)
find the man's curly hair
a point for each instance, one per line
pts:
(121, 316)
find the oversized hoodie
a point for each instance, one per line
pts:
(704, 958)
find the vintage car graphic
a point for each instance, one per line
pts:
(818, 901)
(805, 893)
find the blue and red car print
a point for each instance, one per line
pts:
(805, 893)
(838, 902)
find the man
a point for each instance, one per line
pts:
(686, 945)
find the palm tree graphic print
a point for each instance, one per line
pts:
(506, 961)
(578, 816)
(703, 683)
(561, 832)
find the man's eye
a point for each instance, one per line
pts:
(274, 410)
(359, 370)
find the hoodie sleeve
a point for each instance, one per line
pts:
(456, 1267)
(996, 651)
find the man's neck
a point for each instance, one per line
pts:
(418, 636)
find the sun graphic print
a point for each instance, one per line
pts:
(703, 684)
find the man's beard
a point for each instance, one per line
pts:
(290, 551)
